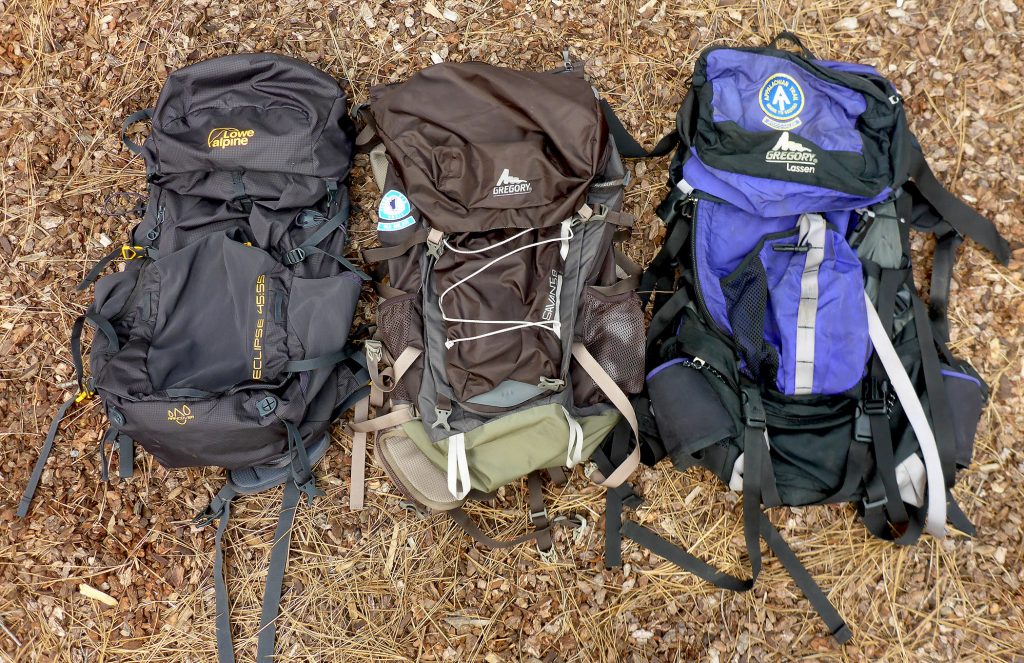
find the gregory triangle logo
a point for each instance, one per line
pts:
(180, 415)
(509, 185)
(225, 137)
(798, 158)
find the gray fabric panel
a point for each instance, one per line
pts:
(508, 394)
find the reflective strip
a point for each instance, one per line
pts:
(812, 235)
(575, 451)
(935, 523)
(458, 466)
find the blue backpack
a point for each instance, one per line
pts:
(789, 350)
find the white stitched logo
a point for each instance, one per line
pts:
(509, 185)
(551, 304)
(798, 158)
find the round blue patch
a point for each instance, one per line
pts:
(781, 97)
(394, 206)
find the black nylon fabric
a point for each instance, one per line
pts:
(209, 319)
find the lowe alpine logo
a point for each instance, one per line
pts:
(798, 158)
(225, 137)
(180, 415)
(782, 99)
(509, 185)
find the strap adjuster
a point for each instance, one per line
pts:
(753, 409)
(296, 255)
(868, 506)
(537, 515)
(85, 395)
(877, 397)
(209, 514)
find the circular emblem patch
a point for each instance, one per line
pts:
(394, 206)
(781, 98)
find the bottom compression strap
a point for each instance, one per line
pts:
(44, 453)
(275, 575)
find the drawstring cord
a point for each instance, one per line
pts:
(554, 325)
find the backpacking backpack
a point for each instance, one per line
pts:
(789, 350)
(223, 340)
(509, 335)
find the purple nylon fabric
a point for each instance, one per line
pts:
(770, 197)
(724, 235)
(830, 112)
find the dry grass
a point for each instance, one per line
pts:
(381, 584)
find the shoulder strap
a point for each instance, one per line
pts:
(627, 145)
(963, 218)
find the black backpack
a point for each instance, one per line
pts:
(223, 342)
(789, 351)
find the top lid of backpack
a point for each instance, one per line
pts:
(776, 133)
(481, 147)
(250, 112)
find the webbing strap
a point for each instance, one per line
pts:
(125, 456)
(398, 416)
(379, 165)
(938, 400)
(543, 525)
(358, 475)
(275, 575)
(659, 546)
(323, 361)
(964, 219)
(943, 261)
(341, 260)
(382, 253)
(621, 402)
(137, 116)
(815, 596)
(904, 388)
(97, 269)
(220, 508)
(44, 453)
(628, 146)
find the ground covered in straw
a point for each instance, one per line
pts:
(382, 584)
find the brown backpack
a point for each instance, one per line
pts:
(510, 335)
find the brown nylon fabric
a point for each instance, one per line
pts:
(523, 286)
(452, 129)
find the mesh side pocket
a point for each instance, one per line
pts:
(612, 329)
(746, 293)
(399, 326)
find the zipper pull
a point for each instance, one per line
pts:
(565, 59)
(698, 363)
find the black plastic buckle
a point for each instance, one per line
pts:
(209, 514)
(877, 396)
(296, 255)
(753, 409)
(862, 428)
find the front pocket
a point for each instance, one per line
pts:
(612, 330)
(967, 395)
(231, 431)
(220, 318)
(795, 306)
(499, 295)
(508, 176)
